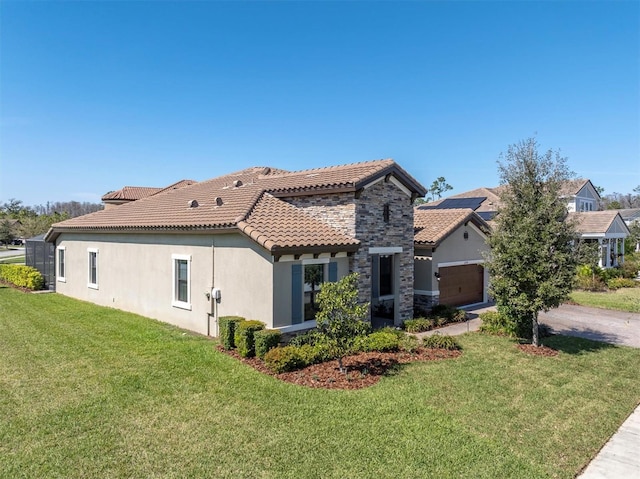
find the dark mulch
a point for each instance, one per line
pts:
(537, 350)
(19, 288)
(363, 369)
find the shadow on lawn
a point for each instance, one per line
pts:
(580, 341)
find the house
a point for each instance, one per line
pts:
(133, 193)
(450, 247)
(608, 229)
(255, 243)
(582, 200)
(631, 216)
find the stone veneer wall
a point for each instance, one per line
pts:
(424, 302)
(363, 218)
(372, 231)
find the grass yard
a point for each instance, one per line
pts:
(12, 260)
(624, 299)
(87, 391)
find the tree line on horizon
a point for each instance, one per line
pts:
(20, 221)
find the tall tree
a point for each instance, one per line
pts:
(532, 261)
(438, 187)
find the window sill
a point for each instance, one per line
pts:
(181, 305)
(61, 280)
(92, 286)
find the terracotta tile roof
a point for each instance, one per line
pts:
(276, 224)
(131, 193)
(491, 197)
(594, 222)
(226, 201)
(431, 226)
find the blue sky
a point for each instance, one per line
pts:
(98, 95)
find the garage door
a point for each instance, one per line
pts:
(460, 285)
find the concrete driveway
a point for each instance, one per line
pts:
(615, 327)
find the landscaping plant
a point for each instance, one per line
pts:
(341, 318)
(532, 262)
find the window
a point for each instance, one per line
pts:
(314, 276)
(93, 268)
(61, 264)
(386, 275)
(181, 281)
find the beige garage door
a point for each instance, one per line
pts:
(460, 285)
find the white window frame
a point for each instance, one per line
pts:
(91, 251)
(175, 302)
(61, 276)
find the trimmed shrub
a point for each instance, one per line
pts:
(312, 337)
(494, 322)
(617, 283)
(437, 341)
(21, 275)
(409, 343)
(418, 325)
(227, 329)
(265, 340)
(381, 341)
(244, 339)
(285, 358)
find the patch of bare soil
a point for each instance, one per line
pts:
(537, 350)
(363, 369)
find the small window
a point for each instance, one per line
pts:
(314, 276)
(93, 268)
(61, 264)
(385, 212)
(181, 281)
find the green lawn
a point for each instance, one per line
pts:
(13, 260)
(624, 299)
(87, 392)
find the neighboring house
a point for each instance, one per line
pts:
(608, 229)
(247, 244)
(450, 245)
(580, 196)
(631, 216)
(133, 193)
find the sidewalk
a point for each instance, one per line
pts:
(471, 324)
(620, 456)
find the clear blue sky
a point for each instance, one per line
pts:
(99, 95)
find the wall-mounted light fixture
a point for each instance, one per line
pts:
(466, 235)
(437, 275)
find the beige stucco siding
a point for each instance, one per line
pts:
(243, 272)
(135, 273)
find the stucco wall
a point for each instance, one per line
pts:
(135, 274)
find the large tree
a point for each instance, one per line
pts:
(532, 261)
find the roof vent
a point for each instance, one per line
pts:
(266, 170)
(237, 183)
(192, 204)
(218, 201)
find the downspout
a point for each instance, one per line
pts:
(212, 299)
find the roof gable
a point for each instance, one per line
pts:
(606, 223)
(432, 226)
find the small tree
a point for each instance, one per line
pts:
(532, 261)
(341, 318)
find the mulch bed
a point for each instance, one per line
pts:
(537, 350)
(363, 369)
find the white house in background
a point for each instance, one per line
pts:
(580, 195)
(608, 229)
